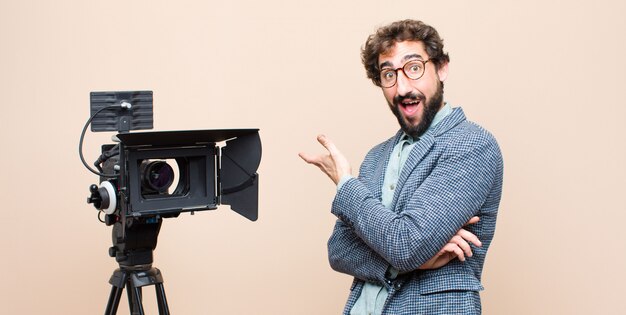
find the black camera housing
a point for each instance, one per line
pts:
(148, 176)
(209, 175)
(213, 166)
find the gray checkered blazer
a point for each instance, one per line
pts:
(454, 172)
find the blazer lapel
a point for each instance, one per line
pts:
(421, 149)
(424, 146)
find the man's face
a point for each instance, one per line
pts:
(414, 102)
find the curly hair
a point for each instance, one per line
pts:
(405, 30)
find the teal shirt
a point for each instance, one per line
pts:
(373, 296)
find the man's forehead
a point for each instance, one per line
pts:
(400, 52)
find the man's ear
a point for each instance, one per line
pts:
(442, 71)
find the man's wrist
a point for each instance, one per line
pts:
(343, 180)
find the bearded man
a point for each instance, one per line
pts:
(407, 227)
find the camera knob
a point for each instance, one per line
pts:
(95, 197)
(104, 197)
(112, 251)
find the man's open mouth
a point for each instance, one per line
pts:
(410, 106)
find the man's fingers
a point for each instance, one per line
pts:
(459, 241)
(470, 237)
(458, 246)
(334, 164)
(317, 159)
(473, 220)
(329, 145)
(455, 250)
(311, 159)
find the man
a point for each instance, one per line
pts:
(400, 223)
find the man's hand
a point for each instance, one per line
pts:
(457, 247)
(334, 164)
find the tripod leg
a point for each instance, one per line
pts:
(137, 301)
(117, 286)
(132, 304)
(161, 300)
(134, 299)
(114, 300)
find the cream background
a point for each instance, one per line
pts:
(545, 77)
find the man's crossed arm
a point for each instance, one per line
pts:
(349, 254)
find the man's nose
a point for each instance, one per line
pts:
(403, 83)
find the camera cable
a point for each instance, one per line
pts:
(82, 137)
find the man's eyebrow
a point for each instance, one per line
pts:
(412, 56)
(405, 58)
(385, 64)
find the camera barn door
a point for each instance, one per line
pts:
(240, 159)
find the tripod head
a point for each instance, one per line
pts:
(134, 244)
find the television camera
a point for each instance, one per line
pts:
(148, 176)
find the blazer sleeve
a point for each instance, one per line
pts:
(453, 192)
(348, 254)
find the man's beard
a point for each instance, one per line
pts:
(430, 111)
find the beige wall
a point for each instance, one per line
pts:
(544, 76)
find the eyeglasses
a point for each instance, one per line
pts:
(413, 70)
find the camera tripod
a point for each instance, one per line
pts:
(134, 278)
(133, 247)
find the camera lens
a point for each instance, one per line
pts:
(157, 176)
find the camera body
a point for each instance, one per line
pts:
(161, 174)
(169, 172)
(148, 176)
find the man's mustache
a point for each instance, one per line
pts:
(398, 99)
